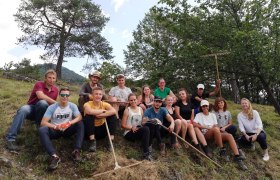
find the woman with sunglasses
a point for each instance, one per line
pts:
(207, 123)
(132, 123)
(251, 127)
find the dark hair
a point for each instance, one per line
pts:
(183, 89)
(131, 94)
(96, 88)
(143, 94)
(64, 89)
(217, 100)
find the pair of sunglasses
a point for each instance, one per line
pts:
(64, 95)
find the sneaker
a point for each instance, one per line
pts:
(76, 155)
(12, 146)
(253, 147)
(55, 160)
(240, 163)
(148, 156)
(92, 147)
(241, 154)
(108, 146)
(207, 152)
(266, 157)
(162, 149)
(223, 154)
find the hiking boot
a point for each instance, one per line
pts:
(76, 155)
(253, 147)
(12, 146)
(241, 154)
(223, 154)
(55, 160)
(197, 146)
(162, 149)
(240, 163)
(207, 152)
(148, 156)
(92, 147)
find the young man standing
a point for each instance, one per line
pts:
(62, 119)
(96, 112)
(43, 94)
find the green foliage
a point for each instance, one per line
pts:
(64, 29)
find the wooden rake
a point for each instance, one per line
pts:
(117, 166)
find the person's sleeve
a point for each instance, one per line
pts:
(129, 90)
(176, 104)
(196, 119)
(146, 114)
(256, 115)
(165, 112)
(214, 118)
(38, 87)
(111, 92)
(50, 110)
(107, 105)
(75, 109)
(229, 116)
(240, 123)
(83, 89)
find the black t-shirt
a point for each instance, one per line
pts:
(185, 110)
(196, 104)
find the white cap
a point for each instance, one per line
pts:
(200, 86)
(204, 102)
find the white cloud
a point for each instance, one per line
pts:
(126, 34)
(118, 4)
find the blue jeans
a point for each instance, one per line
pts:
(46, 134)
(33, 112)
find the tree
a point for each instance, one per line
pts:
(109, 70)
(64, 28)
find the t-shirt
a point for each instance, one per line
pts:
(134, 118)
(59, 114)
(223, 118)
(41, 86)
(161, 114)
(101, 105)
(249, 126)
(160, 93)
(206, 120)
(121, 94)
(185, 110)
(196, 104)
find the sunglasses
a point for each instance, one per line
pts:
(158, 101)
(204, 106)
(64, 95)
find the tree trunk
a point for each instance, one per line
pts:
(235, 90)
(61, 54)
(270, 95)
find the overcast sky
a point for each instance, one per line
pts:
(124, 18)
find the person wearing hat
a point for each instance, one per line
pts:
(86, 89)
(158, 112)
(118, 95)
(200, 94)
(207, 123)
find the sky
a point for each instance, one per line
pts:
(124, 16)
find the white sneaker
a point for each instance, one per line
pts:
(266, 157)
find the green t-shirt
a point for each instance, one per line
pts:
(163, 93)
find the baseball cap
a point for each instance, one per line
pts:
(157, 98)
(200, 86)
(96, 74)
(204, 103)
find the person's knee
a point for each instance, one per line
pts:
(42, 104)
(24, 109)
(43, 130)
(145, 130)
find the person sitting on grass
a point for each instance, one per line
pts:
(251, 127)
(207, 123)
(62, 119)
(158, 112)
(162, 91)
(96, 112)
(43, 94)
(134, 130)
(185, 114)
(146, 99)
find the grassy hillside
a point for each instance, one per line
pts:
(31, 162)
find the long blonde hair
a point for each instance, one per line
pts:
(250, 111)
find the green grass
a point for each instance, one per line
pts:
(31, 162)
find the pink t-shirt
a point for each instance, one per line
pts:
(41, 86)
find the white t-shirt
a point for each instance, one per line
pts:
(121, 94)
(206, 120)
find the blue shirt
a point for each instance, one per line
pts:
(161, 114)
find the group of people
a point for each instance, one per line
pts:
(190, 118)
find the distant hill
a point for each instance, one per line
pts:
(67, 74)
